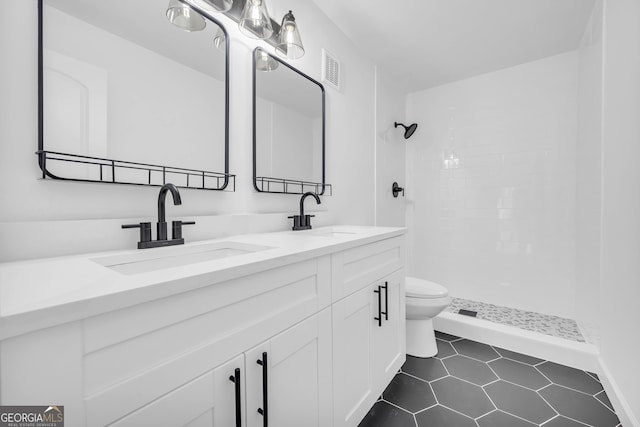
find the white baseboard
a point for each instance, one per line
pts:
(620, 404)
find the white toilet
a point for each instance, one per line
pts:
(424, 301)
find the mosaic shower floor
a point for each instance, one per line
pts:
(536, 322)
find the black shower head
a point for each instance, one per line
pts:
(408, 130)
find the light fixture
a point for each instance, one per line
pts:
(264, 61)
(181, 15)
(289, 42)
(255, 21)
(214, 5)
(408, 130)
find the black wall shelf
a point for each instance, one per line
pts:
(290, 186)
(111, 171)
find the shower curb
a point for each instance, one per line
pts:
(578, 355)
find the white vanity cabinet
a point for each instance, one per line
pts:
(297, 391)
(368, 327)
(115, 367)
(290, 386)
(389, 337)
(190, 357)
(209, 400)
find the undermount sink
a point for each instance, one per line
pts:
(335, 231)
(176, 256)
(330, 233)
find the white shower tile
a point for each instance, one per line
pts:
(509, 185)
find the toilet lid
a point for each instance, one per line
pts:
(419, 288)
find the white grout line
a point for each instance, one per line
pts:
(399, 407)
(425, 409)
(458, 412)
(475, 358)
(605, 405)
(514, 415)
(558, 416)
(547, 402)
(422, 379)
(542, 373)
(434, 395)
(524, 387)
(578, 391)
(521, 385)
(497, 349)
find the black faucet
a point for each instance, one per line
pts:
(162, 224)
(161, 228)
(302, 221)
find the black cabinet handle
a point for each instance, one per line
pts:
(264, 411)
(235, 378)
(386, 300)
(379, 318)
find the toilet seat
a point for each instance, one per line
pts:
(419, 288)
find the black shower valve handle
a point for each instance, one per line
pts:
(396, 189)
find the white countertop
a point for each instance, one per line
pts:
(40, 293)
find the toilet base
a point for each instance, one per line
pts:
(421, 339)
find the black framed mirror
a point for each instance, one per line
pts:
(127, 97)
(288, 128)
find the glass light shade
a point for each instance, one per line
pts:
(182, 16)
(264, 61)
(289, 42)
(255, 21)
(214, 5)
(219, 39)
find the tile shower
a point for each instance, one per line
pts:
(491, 188)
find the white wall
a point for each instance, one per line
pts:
(608, 198)
(588, 178)
(491, 186)
(620, 269)
(390, 152)
(31, 204)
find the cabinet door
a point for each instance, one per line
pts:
(389, 348)
(289, 377)
(353, 319)
(209, 400)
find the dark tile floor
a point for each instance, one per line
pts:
(477, 385)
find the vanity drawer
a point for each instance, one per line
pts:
(136, 355)
(356, 268)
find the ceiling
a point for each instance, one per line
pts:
(426, 43)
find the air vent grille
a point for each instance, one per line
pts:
(330, 70)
